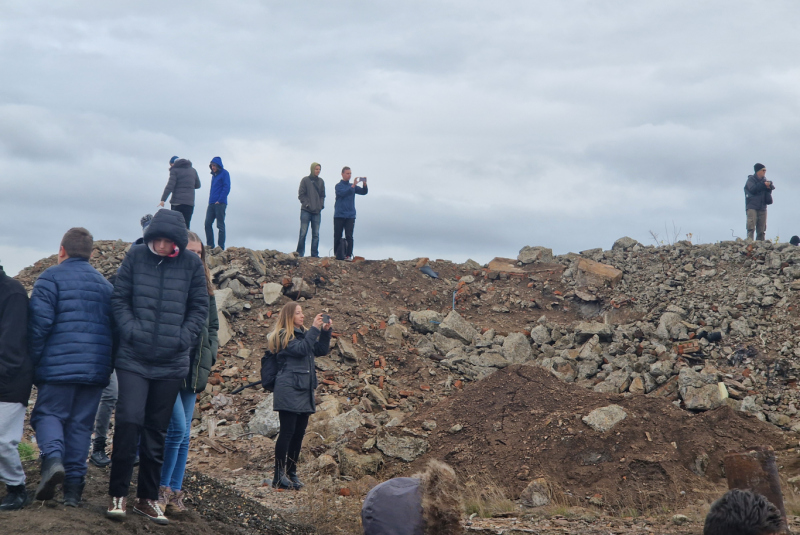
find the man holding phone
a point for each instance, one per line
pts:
(344, 213)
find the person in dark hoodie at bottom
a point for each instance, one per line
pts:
(160, 305)
(424, 504)
(217, 201)
(16, 378)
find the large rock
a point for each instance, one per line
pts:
(605, 418)
(394, 334)
(224, 333)
(504, 265)
(536, 494)
(616, 383)
(404, 448)
(272, 293)
(354, 464)
(265, 421)
(347, 350)
(224, 298)
(445, 345)
(529, 255)
(586, 330)
(561, 368)
(238, 288)
(541, 335)
(591, 273)
(456, 327)
(344, 423)
(670, 327)
(702, 390)
(516, 348)
(488, 359)
(623, 244)
(300, 288)
(425, 321)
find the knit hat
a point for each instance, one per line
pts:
(758, 167)
(313, 166)
(145, 220)
(795, 240)
(172, 160)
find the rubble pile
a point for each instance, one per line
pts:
(701, 327)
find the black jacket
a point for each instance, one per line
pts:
(16, 368)
(757, 195)
(160, 303)
(297, 379)
(205, 355)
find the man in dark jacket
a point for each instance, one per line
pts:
(183, 180)
(160, 304)
(16, 377)
(312, 202)
(757, 195)
(344, 213)
(70, 341)
(217, 201)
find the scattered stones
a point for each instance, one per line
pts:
(516, 348)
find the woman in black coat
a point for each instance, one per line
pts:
(295, 349)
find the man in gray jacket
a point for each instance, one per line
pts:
(183, 180)
(757, 195)
(312, 202)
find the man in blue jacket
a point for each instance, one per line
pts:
(70, 343)
(217, 201)
(344, 213)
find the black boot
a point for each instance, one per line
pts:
(52, 475)
(16, 499)
(99, 458)
(73, 490)
(291, 474)
(279, 481)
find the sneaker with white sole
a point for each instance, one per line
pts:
(116, 508)
(151, 510)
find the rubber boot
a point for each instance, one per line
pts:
(291, 474)
(73, 490)
(52, 475)
(280, 481)
(16, 499)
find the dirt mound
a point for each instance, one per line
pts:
(214, 510)
(522, 423)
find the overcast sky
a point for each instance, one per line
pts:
(482, 126)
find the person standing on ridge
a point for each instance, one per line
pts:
(312, 202)
(757, 195)
(217, 201)
(344, 213)
(183, 180)
(16, 378)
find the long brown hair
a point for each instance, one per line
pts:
(195, 238)
(283, 332)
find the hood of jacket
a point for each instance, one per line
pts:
(216, 160)
(183, 162)
(313, 166)
(168, 224)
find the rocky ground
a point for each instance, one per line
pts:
(686, 351)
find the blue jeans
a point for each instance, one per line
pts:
(215, 211)
(63, 418)
(176, 446)
(305, 219)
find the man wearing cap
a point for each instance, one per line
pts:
(183, 180)
(758, 195)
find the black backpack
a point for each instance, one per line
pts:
(269, 370)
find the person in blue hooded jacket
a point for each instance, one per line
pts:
(344, 213)
(217, 201)
(70, 342)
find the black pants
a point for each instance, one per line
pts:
(345, 224)
(143, 410)
(187, 210)
(290, 438)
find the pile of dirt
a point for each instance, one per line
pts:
(522, 423)
(215, 509)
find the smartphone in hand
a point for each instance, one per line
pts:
(326, 318)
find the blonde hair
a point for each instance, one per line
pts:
(283, 332)
(209, 283)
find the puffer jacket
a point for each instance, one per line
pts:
(756, 193)
(16, 369)
(205, 356)
(296, 381)
(183, 180)
(160, 303)
(69, 325)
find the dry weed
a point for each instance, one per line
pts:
(485, 498)
(330, 513)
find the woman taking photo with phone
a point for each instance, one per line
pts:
(295, 383)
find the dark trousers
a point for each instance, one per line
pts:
(187, 210)
(343, 224)
(307, 218)
(215, 211)
(290, 438)
(144, 408)
(63, 418)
